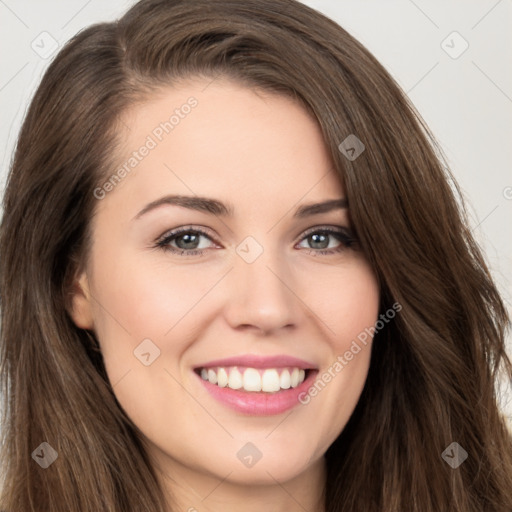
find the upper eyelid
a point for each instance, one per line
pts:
(326, 227)
(185, 229)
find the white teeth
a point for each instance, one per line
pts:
(269, 380)
(235, 379)
(284, 380)
(294, 378)
(252, 380)
(222, 378)
(212, 376)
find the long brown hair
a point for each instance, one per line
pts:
(433, 370)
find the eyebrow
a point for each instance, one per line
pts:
(215, 207)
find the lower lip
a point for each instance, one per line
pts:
(259, 403)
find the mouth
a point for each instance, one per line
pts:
(257, 386)
(254, 380)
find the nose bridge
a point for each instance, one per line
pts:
(260, 291)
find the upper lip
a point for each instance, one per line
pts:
(256, 361)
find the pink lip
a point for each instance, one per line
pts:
(254, 361)
(259, 403)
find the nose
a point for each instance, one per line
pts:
(260, 295)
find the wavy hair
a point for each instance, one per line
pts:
(433, 370)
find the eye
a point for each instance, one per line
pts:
(184, 241)
(193, 241)
(328, 240)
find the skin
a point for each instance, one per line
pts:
(265, 155)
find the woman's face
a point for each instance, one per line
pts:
(258, 291)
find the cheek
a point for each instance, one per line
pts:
(148, 300)
(143, 305)
(348, 303)
(350, 310)
(356, 313)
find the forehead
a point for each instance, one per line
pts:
(223, 140)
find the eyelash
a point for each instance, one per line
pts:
(344, 235)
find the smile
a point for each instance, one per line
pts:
(269, 380)
(257, 385)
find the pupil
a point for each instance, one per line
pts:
(190, 241)
(320, 239)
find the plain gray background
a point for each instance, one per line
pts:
(452, 58)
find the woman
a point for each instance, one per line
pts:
(235, 276)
